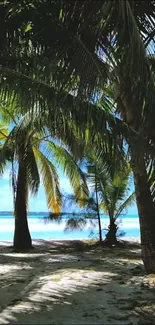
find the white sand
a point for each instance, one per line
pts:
(71, 283)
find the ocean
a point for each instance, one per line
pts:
(41, 229)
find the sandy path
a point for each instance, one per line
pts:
(69, 283)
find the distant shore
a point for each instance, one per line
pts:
(42, 227)
(60, 240)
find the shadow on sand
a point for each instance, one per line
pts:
(71, 282)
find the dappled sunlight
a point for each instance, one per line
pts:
(24, 255)
(65, 283)
(8, 268)
(74, 283)
(57, 289)
(63, 258)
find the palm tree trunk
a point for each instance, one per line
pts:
(145, 204)
(146, 210)
(98, 211)
(22, 238)
(111, 238)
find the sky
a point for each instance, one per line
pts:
(37, 204)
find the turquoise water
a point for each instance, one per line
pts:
(50, 230)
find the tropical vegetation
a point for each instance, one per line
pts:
(30, 153)
(91, 64)
(109, 194)
(113, 197)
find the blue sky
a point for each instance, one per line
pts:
(36, 203)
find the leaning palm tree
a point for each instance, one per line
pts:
(30, 154)
(112, 197)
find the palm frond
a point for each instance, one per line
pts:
(112, 187)
(75, 223)
(66, 161)
(128, 202)
(3, 133)
(6, 153)
(32, 173)
(50, 181)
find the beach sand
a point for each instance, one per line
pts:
(73, 283)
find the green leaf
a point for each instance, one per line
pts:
(60, 15)
(28, 27)
(11, 9)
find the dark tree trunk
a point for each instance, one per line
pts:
(22, 238)
(145, 204)
(100, 228)
(146, 211)
(111, 238)
(97, 208)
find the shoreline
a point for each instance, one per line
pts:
(36, 241)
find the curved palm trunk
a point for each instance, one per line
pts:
(22, 238)
(145, 205)
(146, 211)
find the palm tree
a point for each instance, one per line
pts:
(112, 197)
(26, 177)
(109, 194)
(31, 153)
(93, 44)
